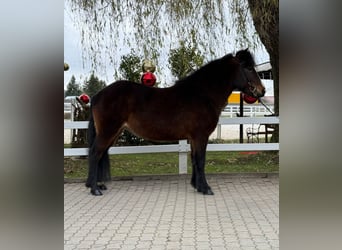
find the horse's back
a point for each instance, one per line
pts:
(118, 95)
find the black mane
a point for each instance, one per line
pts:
(218, 68)
(211, 70)
(246, 59)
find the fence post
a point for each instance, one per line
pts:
(218, 131)
(183, 157)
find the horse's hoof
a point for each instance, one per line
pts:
(87, 185)
(208, 192)
(102, 187)
(96, 192)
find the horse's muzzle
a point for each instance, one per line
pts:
(256, 92)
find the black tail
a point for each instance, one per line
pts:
(91, 133)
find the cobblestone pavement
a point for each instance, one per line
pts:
(167, 213)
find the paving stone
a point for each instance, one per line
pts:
(86, 244)
(144, 245)
(126, 247)
(115, 243)
(203, 245)
(70, 247)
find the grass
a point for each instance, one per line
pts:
(167, 163)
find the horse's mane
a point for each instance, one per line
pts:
(246, 59)
(209, 70)
(216, 68)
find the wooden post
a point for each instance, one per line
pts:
(183, 157)
(219, 131)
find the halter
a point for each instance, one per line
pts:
(269, 110)
(253, 90)
(251, 87)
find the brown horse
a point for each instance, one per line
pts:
(190, 109)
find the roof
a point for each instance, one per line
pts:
(266, 66)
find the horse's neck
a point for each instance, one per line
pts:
(218, 95)
(219, 91)
(216, 92)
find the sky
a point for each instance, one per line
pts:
(81, 68)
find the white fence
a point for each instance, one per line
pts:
(230, 110)
(249, 110)
(183, 147)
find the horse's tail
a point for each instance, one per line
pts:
(91, 130)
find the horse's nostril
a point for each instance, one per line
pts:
(263, 91)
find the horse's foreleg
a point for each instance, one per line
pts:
(103, 172)
(199, 151)
(94, 158)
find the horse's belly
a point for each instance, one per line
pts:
(157, 131)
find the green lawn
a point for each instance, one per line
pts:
(167, 163)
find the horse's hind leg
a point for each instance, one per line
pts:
(96, 152)
(99, 165)
(198, 151)
(103, 174)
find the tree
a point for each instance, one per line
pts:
(266, 21)
(93, 85)
(265, 15)
(155, 26)
(184, 60)
(130, 67)
(73, 88)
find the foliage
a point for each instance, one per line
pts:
(184, 60)
(154, 27)
(129, 139)
(93, 85)
(73, 89)
(130, 67)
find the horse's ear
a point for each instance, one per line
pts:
(242, 51)
(245, 57)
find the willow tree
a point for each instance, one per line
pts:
(266, 21)
(265, 16)
(153, 26)
(156, 26)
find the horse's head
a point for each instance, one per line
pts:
(248, 80)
